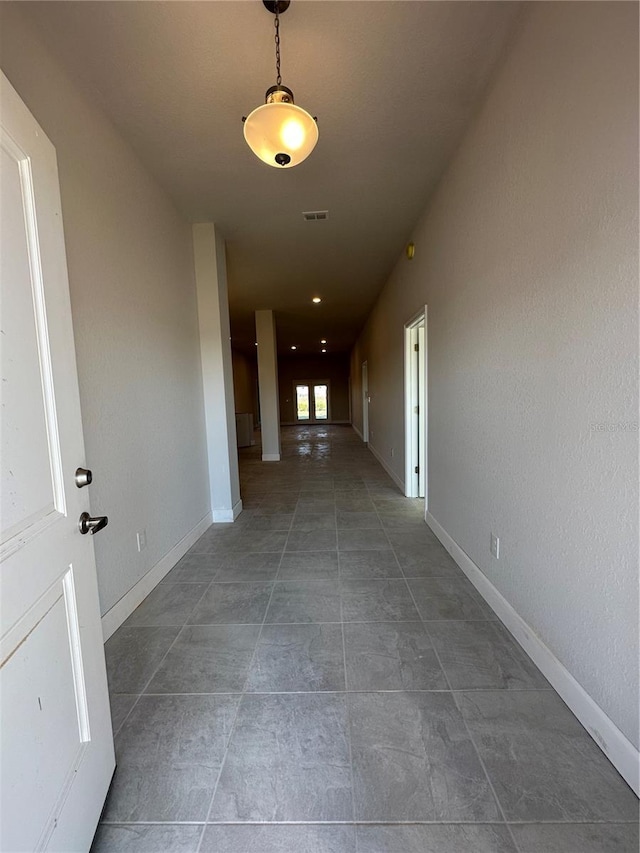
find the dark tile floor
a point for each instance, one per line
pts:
(320, 677)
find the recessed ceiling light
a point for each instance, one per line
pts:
(324, 350)
(323, 341)
(316, 299)
(294, 347)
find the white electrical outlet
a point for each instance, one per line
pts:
(392, 452)
(141, 537)
(495, 546)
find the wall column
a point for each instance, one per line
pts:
(217, 372)
(268, 385)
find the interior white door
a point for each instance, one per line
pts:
(414, 403)
(415, 392)
(365, 402)
(422, 411)
(55, 727)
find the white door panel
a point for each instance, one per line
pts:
(27, 443)
(416, 398)
(365, 402)
(55, 728)
(422, 412)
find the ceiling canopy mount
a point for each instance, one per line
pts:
(278, 6)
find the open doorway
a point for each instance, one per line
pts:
(416, 407)
(365, 402)
(311, 401)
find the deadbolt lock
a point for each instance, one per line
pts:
(83, 477)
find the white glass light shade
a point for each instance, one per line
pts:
(281, 129)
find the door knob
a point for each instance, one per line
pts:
(92, 525)
(83, 477)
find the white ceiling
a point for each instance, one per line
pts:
(393, 85)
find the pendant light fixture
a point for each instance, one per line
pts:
(279, 132)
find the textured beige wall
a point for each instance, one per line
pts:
(527, 257)
(245, 383)
(135, 322)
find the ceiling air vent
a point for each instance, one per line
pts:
(314, 215)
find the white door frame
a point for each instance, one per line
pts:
(365, 402)
(415, 395)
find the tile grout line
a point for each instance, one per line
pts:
(564, 823)
(375, 507)
(356, 833)
(348, 709)
(395, 556)
(312, 692)
(473, 743)
(215, 787)
(243, 694)
(322, 551)
(155, 671)
(116, 732)
(486, 773)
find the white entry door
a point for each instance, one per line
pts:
(56, 749)
(416, 408)
(365, 402)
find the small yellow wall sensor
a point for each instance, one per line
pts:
(411, 250)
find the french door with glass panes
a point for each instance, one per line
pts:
(311, 400)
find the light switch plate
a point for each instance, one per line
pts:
(495, 546)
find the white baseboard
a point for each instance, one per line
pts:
(225, 515)
(357, 432)
(615, 745)
(270, 457)
(122, 609)
(399, 483)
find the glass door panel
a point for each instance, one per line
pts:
(320, 402)
(302, 403)
(311, 402)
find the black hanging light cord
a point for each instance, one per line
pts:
(277, 25)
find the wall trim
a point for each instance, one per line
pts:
(615, 745)
(270, 457)
(122, 609)
(399, 483)
(226, 515)
(357, 432)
